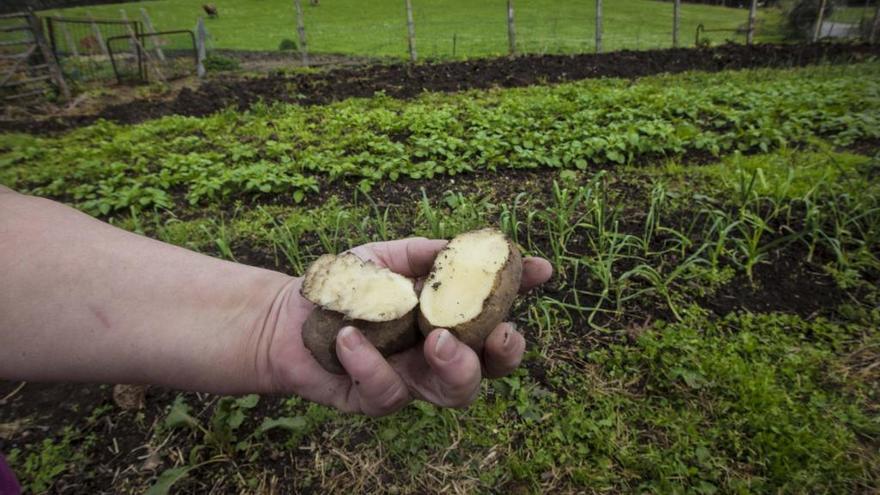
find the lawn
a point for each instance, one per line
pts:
(443, 28)
(853, 15)
(711, 326)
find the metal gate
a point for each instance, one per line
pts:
(27, 67)
(156, 57)
(81, 45)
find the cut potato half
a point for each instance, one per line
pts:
(359, 290)
(472, 286)
(349, 291)
(388, 337)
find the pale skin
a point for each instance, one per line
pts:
(81, 300)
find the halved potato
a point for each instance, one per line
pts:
(472, 286)
(349, 291)
(360, 290)
(389, 337)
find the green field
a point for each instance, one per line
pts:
(854, 15)
(711, 326)
(378, 28)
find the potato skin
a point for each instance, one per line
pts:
(389, 337)
(495, 308)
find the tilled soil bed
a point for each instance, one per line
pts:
(407, 81)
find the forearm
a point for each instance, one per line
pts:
(82, 300)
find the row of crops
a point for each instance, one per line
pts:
(288, 149)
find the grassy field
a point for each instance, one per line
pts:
(710, 329)
(852, 14)
(443, 28)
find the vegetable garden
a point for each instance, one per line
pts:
(710, 327)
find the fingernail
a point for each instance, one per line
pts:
(508, 342)
(351, 338)
(445, 346)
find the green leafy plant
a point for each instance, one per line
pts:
(287, 44)
(217, 62)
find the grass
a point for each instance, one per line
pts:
(443, 29)
(757, 402)
(853, 15)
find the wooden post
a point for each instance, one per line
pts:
(139, 48)
(99, 38)
(48, 56)
(201, 38)
(598, 26)
(676, 21)
(124, 16)
(753, 12)
(511, 29)
(148, 24)
(875, 27)
(819, 18)
(20, 59)
(68, 38)
(301, 31)
(411, 32)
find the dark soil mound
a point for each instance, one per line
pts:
(407, 81)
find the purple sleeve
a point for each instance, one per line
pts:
(8, 483)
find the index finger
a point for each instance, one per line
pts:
(535, 272)
(414, 257)
(411, 257)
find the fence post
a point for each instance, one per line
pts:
(511, 29)
(99, 38)
(68, 39)
(201, 37)
(875, 27)
(148, 24)
(140, 51)
(411, 32)
(133, 46)
(301, 32)
(48, 56)
(598, 26)
(819, 18)
(753, 12)
(676, 21)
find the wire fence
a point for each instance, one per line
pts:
(460, 29)
(440, 29)
(564, 26)
(11, 34)
(17, 51)
(156, 57)
(27, 67)
(90, 49)
(80, 45)
(847, 19)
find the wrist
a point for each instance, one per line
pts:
(225, 352)
(270, 350)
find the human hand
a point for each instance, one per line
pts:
(440, 369)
